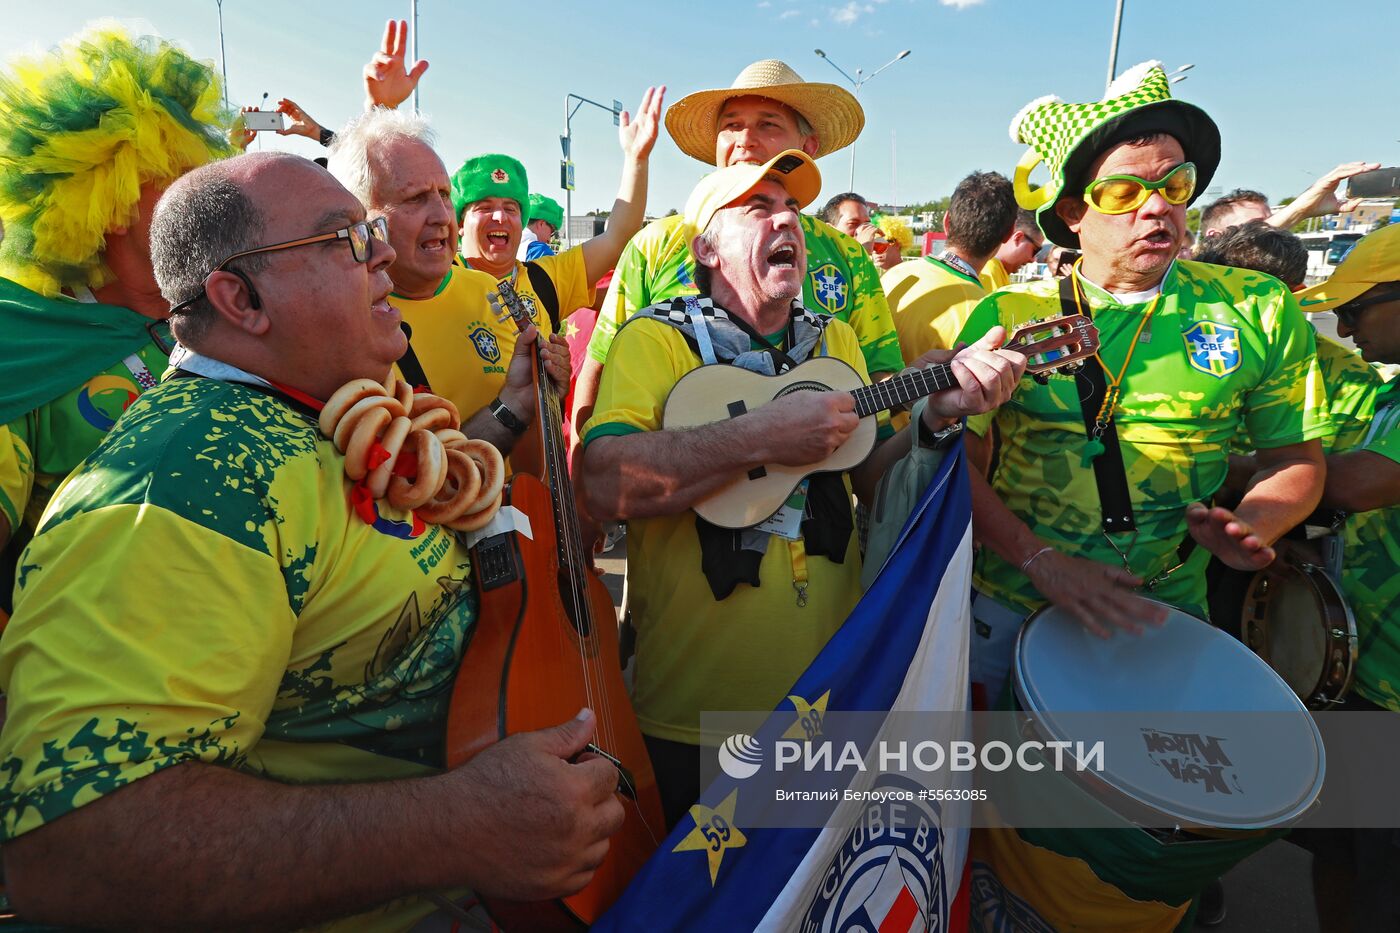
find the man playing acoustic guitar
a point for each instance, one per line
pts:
(727, 619)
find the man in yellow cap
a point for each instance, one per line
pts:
(767, 109)
(718, 625)
(1354, 870)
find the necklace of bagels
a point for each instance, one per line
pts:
(408, 447)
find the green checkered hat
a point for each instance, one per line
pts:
(1068, 137)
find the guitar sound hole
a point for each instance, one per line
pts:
(803, 387)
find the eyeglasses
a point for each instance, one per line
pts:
(361, 237)
(1119, 194)
(1349, 314)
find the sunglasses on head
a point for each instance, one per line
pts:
(1119, 194)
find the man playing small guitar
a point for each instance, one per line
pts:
(727, 619)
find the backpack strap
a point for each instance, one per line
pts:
(544, 288)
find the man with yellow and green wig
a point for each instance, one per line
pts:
(1103, 479)
(91, 133)
(545, 218)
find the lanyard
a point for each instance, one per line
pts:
(957, 262)
(1114, 390)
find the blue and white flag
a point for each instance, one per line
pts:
(904, 647)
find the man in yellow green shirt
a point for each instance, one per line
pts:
(228, 688)
(932, 297)
(767, 109)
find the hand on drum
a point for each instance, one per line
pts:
(538, 813)
(1228, 537)
(1100, 596)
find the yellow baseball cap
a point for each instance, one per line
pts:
(1374, 260)
(792, 168)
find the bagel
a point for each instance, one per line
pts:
(431, 474)
(493, 472)
(362, 441)
(451, 438)
(434, 419)
(404, 393)
(460, 490)
(478, 519)
(425, 401)
(342, 401)
(351, 418)
(392, 442)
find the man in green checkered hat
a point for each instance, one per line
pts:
(1104, 478)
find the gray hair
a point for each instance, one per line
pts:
(203, 219)
(349, 159)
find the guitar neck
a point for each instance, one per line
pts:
(903, 388)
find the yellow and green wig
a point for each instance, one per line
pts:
(82, 128)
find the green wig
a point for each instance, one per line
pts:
(83, 128)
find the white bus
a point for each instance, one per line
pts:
(1326, 248)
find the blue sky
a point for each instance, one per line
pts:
(1296, 87)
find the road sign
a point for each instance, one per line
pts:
(617, 113)
(566, 175)
(564, 145)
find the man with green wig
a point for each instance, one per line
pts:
(91, 133)
(1103, 479)
(546, 217)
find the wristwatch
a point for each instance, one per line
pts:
(326, 136)
(937, 440)
(506, 417)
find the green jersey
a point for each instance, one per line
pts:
(1224, 350)
(201, 589)
(1371, 554)
(43, 446)
(841, 281)
(1352, 384)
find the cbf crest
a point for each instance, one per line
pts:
(829, 288)
(1213, 348)
(485, 343)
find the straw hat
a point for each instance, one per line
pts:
(1374, 260)
(833, 111)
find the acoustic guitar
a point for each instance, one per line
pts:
(719, 392)
(546, 644)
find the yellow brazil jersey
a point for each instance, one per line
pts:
(201, 590)
(994, 275)
(695, 653)
(930, 301)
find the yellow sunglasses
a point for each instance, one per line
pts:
(1119, 194)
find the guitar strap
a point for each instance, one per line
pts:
(408, 363)
(1110, 476)
(544, 288)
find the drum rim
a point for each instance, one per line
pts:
(1322, 586)
(1138, 799)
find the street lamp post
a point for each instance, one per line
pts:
(566, 168)
(1113, 45)
(413, 37)
(856, 82)
(223, 64)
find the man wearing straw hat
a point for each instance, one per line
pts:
(1354, 871)
(767, 109)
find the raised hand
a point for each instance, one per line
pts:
(637, 137)
(299, 122)
(388, 80)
